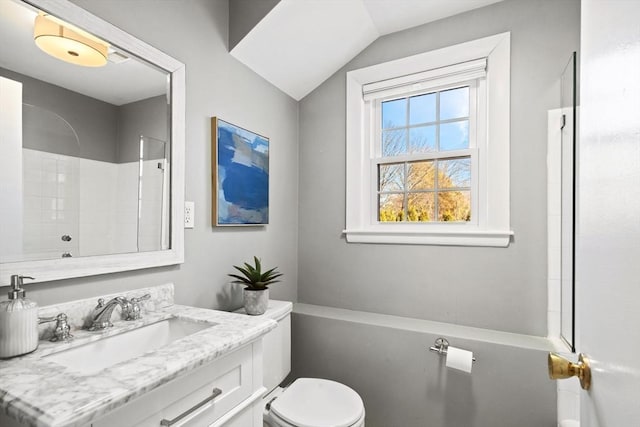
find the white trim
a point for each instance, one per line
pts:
(493, 228)
(443, 76)
(496, 238)
(431, 327)
(56, 269)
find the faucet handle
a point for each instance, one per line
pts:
(142, 298)
(133, 307)
(62, 331)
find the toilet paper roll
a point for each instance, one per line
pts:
(460, 359)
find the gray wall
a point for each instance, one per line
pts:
(148, 117)
(94, 121)
(106, 132)
(403, 384)
(494, 288)
(244, 15)
(217, 85)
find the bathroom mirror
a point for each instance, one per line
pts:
(91, 157)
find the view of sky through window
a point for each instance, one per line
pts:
(425, 190)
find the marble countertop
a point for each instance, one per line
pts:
(39, 392)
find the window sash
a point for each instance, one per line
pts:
(471, 153)
(377, 158)
(375, 111)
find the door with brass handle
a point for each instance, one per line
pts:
(561, 368)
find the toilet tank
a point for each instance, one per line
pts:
(276, 344)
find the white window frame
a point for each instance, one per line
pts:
(490, 225)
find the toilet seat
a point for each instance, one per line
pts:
(314, 402)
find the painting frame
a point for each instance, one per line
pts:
(239, 176)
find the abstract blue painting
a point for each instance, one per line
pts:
(240, 166)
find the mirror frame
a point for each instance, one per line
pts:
(66, 268)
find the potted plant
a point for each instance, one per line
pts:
(256, 291)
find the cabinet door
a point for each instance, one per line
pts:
(232, 375)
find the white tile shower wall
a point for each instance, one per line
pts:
(568, 390)
(50, 204)
(149, 234)
(566, 284)
(111, 211)
(97, 206)
(126, 209)
(166, 206)
(76, 197)
(553, 222)
(151, 206)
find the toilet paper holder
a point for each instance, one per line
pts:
(441, 346)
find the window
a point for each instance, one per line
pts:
(428, 148)
(424, 156)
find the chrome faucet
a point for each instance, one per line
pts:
(101, 315)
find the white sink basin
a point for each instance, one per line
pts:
(95, 356)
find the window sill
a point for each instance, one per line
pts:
(489, 238)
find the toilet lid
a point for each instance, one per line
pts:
(313, 402)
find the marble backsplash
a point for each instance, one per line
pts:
(78, 312)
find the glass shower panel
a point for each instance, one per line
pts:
(568, 183)
(153, 195)
(51, 190)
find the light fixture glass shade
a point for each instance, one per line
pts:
(68, 45)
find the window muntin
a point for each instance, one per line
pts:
(424, 166)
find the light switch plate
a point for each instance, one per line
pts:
(189, 209)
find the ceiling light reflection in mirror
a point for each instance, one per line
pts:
(60, 40)
(90, 194)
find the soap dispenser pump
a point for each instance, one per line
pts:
(18, 321)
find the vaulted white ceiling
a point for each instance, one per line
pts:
(300, 43)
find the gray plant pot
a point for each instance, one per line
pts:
(256, 301)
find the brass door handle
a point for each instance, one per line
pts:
(561, 368)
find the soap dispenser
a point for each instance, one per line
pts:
(18, 321)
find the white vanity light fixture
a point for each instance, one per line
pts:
(68, 43)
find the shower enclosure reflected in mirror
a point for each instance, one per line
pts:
(152, 199)
(91, 159)
(568, 191)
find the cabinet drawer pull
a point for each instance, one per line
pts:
(215, 393)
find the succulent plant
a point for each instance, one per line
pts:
(253, 277)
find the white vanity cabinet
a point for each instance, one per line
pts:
(142, 374)
(230, 387)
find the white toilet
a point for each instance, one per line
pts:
(306, 402)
